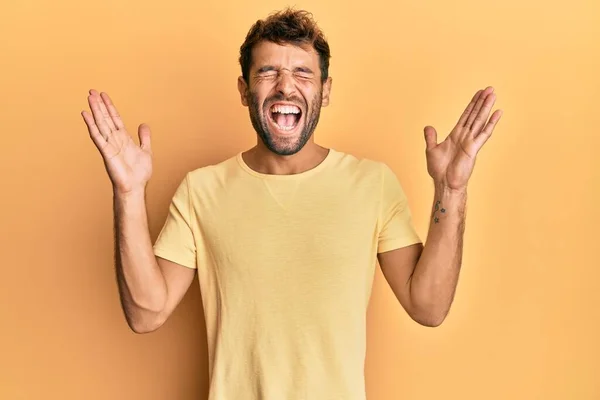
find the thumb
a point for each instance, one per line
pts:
(430, 137)
(144, 135)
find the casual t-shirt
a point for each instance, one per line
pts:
(285, 265)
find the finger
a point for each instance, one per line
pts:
(477, 107)
(480, 139)
(95, 134)
(93, 101)
(106, 115)
(104, 110)
(430, 137)
(112, 111)
(144, 135)
(463, 118)
(483, 114)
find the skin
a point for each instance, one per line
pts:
(423, 278)
(290, 74)
(150, 287)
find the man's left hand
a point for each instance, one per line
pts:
(450, 163)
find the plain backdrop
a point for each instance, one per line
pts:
(525, 321)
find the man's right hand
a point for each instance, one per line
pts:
(129, 166)
(150, 287)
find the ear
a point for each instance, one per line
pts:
(326, 92)
(243, 89)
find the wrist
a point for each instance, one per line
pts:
(444, 191)
(130, 196)
(448, 202)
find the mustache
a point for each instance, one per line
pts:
(279, 97)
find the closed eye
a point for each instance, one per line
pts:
(303, 72)
(304, 75)
(270, 72)
(266, 76)
(266, 71)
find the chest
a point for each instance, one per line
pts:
(296, 242)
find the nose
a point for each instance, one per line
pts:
(285, 84)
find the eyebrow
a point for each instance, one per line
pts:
(267, 68)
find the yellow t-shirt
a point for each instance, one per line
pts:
(286, 265)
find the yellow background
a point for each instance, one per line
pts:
(525, 322)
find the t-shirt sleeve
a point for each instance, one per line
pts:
(396, 228)
(175, 242)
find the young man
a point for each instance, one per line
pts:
(285, 236)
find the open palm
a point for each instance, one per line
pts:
(451, 162)
(129, 166)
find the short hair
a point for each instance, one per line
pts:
(287, 26)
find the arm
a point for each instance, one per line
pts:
(150, 287)
(424, 278)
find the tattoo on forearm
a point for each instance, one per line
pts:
(437, 208)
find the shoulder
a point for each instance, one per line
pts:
(211, 174)
(361, 166)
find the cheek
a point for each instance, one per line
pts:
(311, 92)
(256, 99)
(261, 94)
(314, 99)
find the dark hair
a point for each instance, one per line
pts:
(287, 26)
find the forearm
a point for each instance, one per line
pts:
(142, 286)
(433, 283)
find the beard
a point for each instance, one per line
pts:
(278, 145)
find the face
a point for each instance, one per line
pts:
(284, 95)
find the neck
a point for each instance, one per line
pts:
(264, 161)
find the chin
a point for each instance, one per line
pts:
(284, 146)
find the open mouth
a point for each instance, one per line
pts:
(285, 117)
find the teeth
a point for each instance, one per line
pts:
(285, 109)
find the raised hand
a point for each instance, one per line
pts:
(129, 166)
(450, 163)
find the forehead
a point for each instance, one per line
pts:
(284, 55)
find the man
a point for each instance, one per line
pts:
(285, 236)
